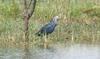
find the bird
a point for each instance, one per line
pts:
(49, 27)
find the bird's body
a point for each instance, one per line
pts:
(48, 28)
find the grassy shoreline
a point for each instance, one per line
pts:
(74, 25)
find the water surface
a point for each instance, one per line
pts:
(76, 51)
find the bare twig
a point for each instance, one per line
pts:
(31, 10)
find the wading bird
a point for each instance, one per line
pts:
(48, 28)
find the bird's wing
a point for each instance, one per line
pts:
(47, 26)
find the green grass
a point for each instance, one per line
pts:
(74, 25)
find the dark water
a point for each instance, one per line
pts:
(75, 51)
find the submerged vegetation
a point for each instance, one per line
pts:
(79, 23)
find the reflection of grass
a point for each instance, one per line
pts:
(73, 25)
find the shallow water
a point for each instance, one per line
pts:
(75, 51)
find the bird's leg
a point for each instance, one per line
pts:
(45, 41)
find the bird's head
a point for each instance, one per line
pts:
(55, 19)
